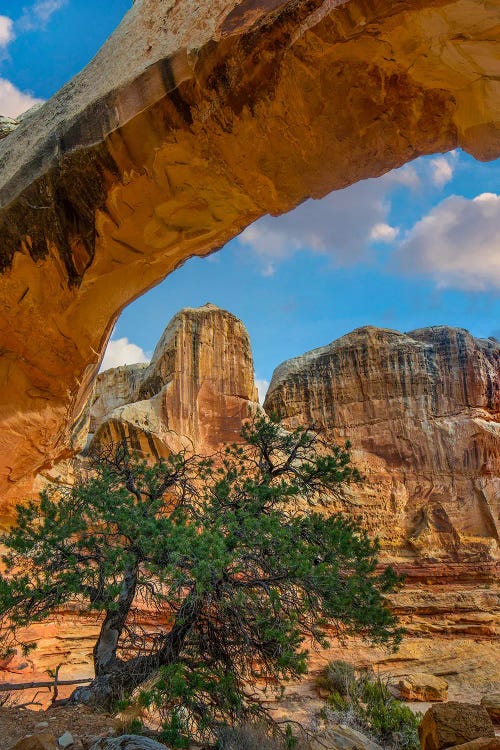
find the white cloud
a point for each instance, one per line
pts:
(441, 171)
(262, 387)
(37, 16)
(341, 225)
(6, 32)
(14, 102)
(406, 176)
(122, 352)
(457, 244)
(383, 233)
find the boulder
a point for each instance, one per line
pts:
(342, 738)
(44, 741)
(484, 743)
(419, 686)
(65, 740)
(450, 724)
(491, 702)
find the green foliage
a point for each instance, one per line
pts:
(226, 549)
(175, 732)
(389, 719)
(366, 701)
(135, 726)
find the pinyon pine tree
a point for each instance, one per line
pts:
(235, 569)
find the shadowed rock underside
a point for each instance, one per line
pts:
(191, 122)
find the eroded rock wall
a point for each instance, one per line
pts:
(422, 411)
(195, 393)
(191, 122)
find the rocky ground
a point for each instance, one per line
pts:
(83, 724)
(301, 704)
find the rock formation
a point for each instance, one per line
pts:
(420, 687)
(191, 122)
(451, 724)
(196, 392)
(422, 411)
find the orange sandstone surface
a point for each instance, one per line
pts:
(422, 412)
(196, 392)
(192, 121)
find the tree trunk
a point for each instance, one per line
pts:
(114, 622)
(120, 678)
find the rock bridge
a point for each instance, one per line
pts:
(192, 121)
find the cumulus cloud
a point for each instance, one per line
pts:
(14, 102)
(6, 32)
(457, 244)
(122, 352)
(341, 225)
(37, 16)
(262, 387)
(442, 169)
(383, 233)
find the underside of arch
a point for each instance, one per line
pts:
(191, 122)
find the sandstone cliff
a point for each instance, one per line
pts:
(191, 122)
(422, 411)
(195, 393)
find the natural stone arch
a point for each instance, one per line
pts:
(191, 122)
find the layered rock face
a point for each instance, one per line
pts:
(422, 411)
(192, 121)
(196, 392)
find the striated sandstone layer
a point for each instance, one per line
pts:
(192, 121)
(422, 411)
(196, 392)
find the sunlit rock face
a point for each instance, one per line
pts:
(196, 392)
(191, 122)
(114, 388)
(422, 411)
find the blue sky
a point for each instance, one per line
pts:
(419, 246)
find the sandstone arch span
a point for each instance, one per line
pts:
(193, 120)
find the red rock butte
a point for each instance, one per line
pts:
(192, 121)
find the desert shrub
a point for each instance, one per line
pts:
(364, 702)
(339, 677)
(390, 720)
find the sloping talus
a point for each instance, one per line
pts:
(193, 120)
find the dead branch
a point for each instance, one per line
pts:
(7, 686)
